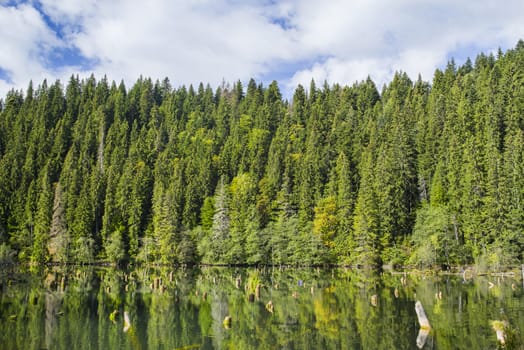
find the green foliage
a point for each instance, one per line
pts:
(94, 171)
(435, 240)
(7, 255)
(206, 213)
(214, 246)
(325, 223)
(115, 251)
(86, 308)
(365, 242)
(253, 280)
(42, 221)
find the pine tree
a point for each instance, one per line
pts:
(43, 214)
(220, 230)
(364, 244)
(95, 171)
(342, 188)
(242, 191)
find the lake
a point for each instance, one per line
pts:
(272, 308)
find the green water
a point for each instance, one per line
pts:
(86, 308)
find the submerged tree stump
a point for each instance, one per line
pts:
(127, 322)
(112, 316)
(499, 327)
(422, 337)
(269, 306)
(227, 322)
(237, 282)
(424, 325)
(421, 315)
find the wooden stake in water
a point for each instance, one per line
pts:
(127, 322)
(421, 315)
(424, 325)
(422, 337)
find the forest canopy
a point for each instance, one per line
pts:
(419, 173)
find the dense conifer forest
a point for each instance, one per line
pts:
(412, 173)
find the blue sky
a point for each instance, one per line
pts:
(291, 41)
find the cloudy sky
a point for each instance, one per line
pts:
(290, 41)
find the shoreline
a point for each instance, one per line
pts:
(467, 271)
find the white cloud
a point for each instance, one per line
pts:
(69, 11)
(24, 37)
(212, 40)
(377, 38)
(381, 69)
(187, 41)
(27, 42)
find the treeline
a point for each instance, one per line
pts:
(419, 173)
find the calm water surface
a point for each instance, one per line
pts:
(107, 308)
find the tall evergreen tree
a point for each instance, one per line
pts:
(94, 171)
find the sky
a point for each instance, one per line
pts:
(215, 41)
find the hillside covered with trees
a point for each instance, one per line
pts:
(414, 173)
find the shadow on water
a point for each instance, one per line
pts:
(237, 308)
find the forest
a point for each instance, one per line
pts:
(414, 173)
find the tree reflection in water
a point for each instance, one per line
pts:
(162, 308)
